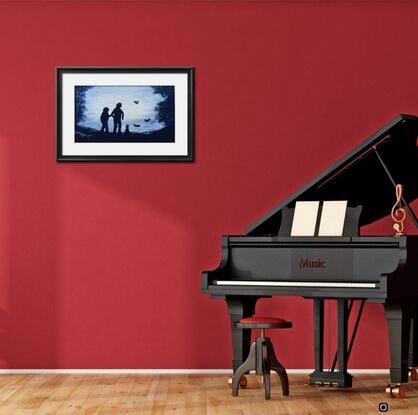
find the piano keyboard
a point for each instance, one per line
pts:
(299, 284)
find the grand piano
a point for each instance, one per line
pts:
(267, 261)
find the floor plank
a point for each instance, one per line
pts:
(191, 395)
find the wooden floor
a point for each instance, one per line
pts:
(190, 394)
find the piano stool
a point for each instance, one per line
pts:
(262, 358)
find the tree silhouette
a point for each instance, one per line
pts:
(80, 102)
(165, 109)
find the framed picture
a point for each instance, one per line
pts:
(125, 114)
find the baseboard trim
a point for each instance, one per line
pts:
(158, 371)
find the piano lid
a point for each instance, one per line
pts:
(366, 176)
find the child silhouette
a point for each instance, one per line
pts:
(104, 118)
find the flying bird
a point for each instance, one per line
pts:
(137, 102)
(137, 125)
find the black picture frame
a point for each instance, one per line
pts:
(79, 144)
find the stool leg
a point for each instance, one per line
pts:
(248, 365)
(266, 370)
(278, 367)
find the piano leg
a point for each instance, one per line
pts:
(318, 304)
(342, 330)
(315, 378)
(413, 343)
(240, 307)
(413, 348)
(399, 327)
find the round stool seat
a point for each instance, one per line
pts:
(263, 323)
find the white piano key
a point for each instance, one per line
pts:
(299, 284)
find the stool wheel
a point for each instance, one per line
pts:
(413, 375)
(243, 382)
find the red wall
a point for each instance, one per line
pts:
(100, 263)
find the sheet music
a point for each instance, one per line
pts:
(304, 218)
(332, 218)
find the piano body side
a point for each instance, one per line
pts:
(339, 267)
(207, 276)
(402, 284)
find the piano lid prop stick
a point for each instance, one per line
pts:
(398, 212)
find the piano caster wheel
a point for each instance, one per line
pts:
(242, 383)
(396, 390)
(413, 375)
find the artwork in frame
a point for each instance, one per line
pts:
(125, 114)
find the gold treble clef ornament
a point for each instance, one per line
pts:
(398, 212)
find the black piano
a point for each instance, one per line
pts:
(267, 261)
